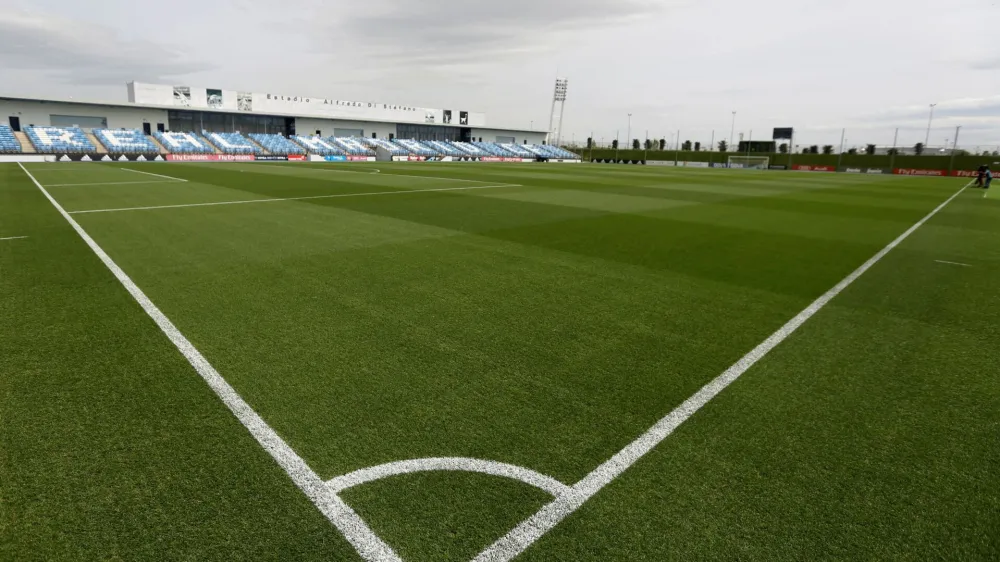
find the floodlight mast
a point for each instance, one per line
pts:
(555, 129)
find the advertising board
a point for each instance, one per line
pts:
(211, 157)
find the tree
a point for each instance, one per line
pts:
(827, 149)
(686, 146)
(783, 148)
(814, 149)
(723, 146)
(918, 148)
(893, 151)
(614, 144)
(870, 150)
(636, 144)
(805, 150)
(852, 151)
(590, 142)
(697, 147)
(648, 144)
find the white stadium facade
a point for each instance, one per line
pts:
(182, 123)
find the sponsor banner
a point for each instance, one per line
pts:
(559, 161)
(360, 159)
(774, 167)
(965, 174)
(529, 160)
(807, 168)
(660, 163)
(211, 157)
(93, 157)
(294, 157)
(719, 165)
(856, 170)
(335, 158)
(915, 172)
(694, 164)
(271, 158)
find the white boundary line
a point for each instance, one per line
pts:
(152, 174)
(14, 238)
(244, 202)
(953, 263)
(367, 543)
(388, 175)
(109, 183)
(521, 537)
(514, 472)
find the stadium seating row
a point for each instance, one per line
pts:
(73, 139)
(277, 144)
(232, 143)
(59, 139)
(128, 141)
(8, 142)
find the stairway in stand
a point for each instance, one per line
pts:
(258, 145)
(97, 144)
(160, 147)
(26, 146)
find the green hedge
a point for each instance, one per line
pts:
(859, 160)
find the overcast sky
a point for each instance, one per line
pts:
(818, 65)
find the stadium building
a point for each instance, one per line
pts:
(184, 123)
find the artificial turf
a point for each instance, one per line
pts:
(546, 323)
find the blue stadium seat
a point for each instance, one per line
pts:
(416, 147)
(392, 147)
(445, 148)
(470, 149)
(353, 146)
(549, 151)
(129, 141)
(183, 143)
(318, 145)
(59, 139)
(517, 150)
(277, 144)
(231, 143)
(494, 149)
(8, 142)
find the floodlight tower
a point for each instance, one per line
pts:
(555, 129)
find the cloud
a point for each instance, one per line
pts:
(451, 32)
(85, 54)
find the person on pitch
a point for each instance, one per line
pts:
(981, 175)
(989, 177)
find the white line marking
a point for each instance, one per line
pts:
(152, 174)
(371, 474)
(14, 238)
(953, 263)
(107, 183)
(400, 192)
(367, 543)
(521, 537)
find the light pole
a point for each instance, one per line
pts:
(732, 131)
(930, 120)
(628, 138)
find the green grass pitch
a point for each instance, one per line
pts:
(538, 316)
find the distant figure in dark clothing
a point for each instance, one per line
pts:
(981, 175)
(989, 177)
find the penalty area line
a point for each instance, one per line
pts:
(157, 175)
(527, 532)
(14, 238)
(307, 198)
(357, 532)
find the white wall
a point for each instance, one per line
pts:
(308, 126)
(38, 112)
(490, 135)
